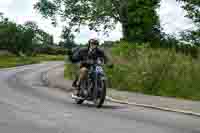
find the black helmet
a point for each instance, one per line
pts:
(94, 41)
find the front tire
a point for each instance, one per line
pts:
(78, 101)
(100, 93)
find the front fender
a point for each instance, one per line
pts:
(104, 78)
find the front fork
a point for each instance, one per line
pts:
(97, 77)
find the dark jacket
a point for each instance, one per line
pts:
(83, 54)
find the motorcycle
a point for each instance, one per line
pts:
(93, 87)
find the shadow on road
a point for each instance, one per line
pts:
(106, 106)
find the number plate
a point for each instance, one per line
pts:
(99, 69)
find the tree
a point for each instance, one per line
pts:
(68, 38)
(193, 9)
(22, 39)
(61, 44)
(143, 23)
(191, 36)
(193, 12)
(106, 13)
(1, 17)
(30, 31)
(31, 25)
(11, 37)
(90, 12)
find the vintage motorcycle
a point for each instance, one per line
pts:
(93, 87)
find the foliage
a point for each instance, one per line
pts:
(193, 9)
(138, 17)
(68, 38)
(170, 42)
(91, 12)
(192, 37)
(193, 12)
(70, 71)
(143, 22)
(52, 50)
(22, 39)
(153, 71)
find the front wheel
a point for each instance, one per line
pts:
(100, 93)
(79, 101)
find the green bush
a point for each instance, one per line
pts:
(187, 49)
(170, 42)
(51, 50)
(70, 71)
(13, 61)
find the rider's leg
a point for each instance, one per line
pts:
(75, 81)
(82, 74)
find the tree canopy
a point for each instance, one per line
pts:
(68, 38)
(193, 12)
(138, 17)
(143, 24)
(24, 39)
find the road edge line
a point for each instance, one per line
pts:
(108, 98)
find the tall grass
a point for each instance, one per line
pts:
(155, 71)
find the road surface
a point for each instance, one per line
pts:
(27, 106)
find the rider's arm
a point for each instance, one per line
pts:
(107, 58)
(80, 55)
(75, 56)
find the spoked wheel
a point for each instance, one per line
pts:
(100, 93)
(79, 101)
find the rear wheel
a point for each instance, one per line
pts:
(100, 93)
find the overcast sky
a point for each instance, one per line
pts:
(171, 16)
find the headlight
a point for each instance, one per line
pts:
(99, 62)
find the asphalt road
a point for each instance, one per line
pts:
(27, 106)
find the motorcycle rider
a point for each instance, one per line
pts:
(84, 56)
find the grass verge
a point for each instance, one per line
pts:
(13, 61)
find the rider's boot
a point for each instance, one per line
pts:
(74, 84)
(76, 87)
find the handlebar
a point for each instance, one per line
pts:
(99, 61)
